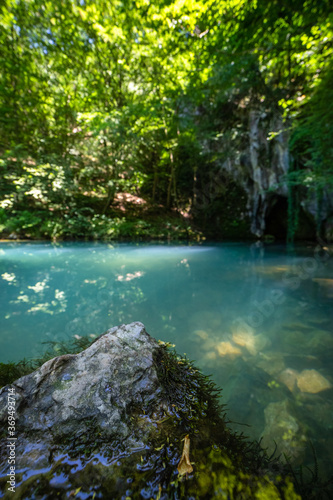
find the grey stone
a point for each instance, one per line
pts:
(103, 383)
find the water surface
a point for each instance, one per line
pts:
(259, 319)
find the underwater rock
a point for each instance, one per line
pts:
(271, 362)
(253, 343)
(289, 378)
(312, 381)
(283, 429)
(201, 334)
(319, 341)
(227, 349)
(307, 381)
(110, 422)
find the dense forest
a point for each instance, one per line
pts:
(178, 118)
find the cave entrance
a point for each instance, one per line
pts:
(277, 218)
(277, 221)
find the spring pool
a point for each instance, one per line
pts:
(257, 318)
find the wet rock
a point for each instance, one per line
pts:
(312, 381)
(271, 362)
(289, 378)
(282, 428)
(228, 349)
(110, 421)
(101, 384)
(253, 343)
(319, 341)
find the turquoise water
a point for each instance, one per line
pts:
(258, 318)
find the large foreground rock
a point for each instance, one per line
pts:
(102, 384)
(110, 422)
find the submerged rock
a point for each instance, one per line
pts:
(110, 422)
(283, 432)
(289, 378)
(253, 343)
(271, 362)
(227, 349)
(312, 381)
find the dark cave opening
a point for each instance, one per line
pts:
(277, 221)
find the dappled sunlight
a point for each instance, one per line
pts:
(122, 200)
(23, 298)
(57, 304)
(10, 277)
(44, 308)
(40, 286)
(130, 276)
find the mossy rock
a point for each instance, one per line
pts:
(125, 438)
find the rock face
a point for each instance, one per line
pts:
(268, 162)
(111, 422)
(257, 161)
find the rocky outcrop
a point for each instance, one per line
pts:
(120, 420)
(257, 160)
(269, 161)
(102, 384)
(260, 168)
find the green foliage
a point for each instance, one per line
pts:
(148, 98)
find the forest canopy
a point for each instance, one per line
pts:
(99, 98)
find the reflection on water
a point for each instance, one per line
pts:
(257, 318)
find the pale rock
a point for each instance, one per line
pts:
(253, 343)
(312, 381)
(201, 334)
(228, 349)
(289, 378)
